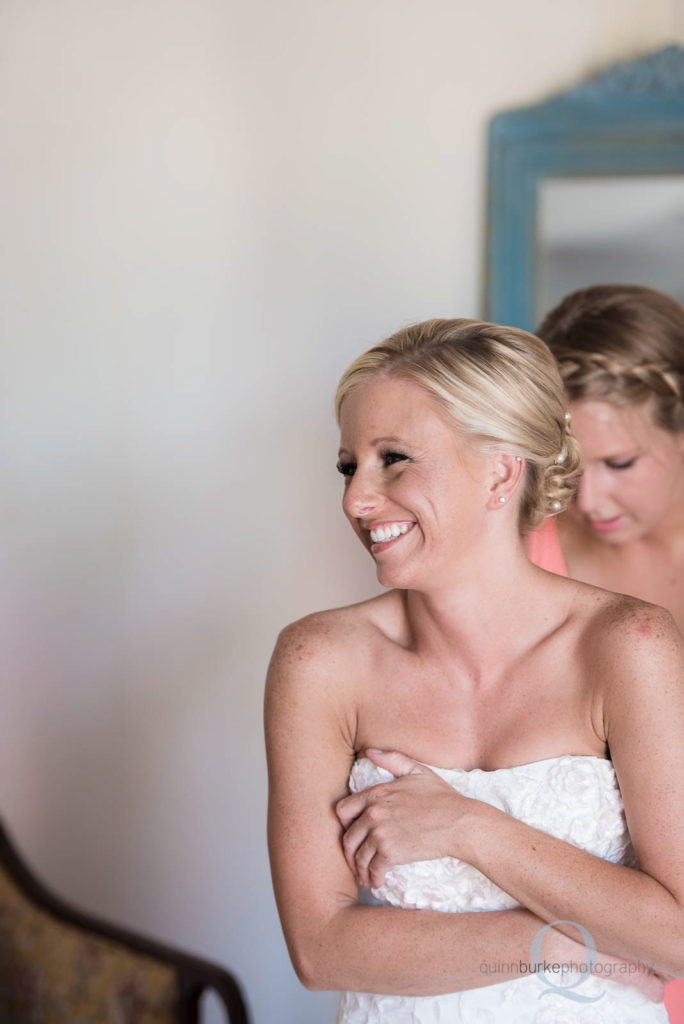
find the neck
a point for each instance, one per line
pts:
(479, 621)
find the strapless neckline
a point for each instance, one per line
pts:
(541, 762)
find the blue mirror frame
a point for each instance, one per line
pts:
(629, 120)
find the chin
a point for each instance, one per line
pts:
(614, 541)
(392, 581)
(394, 578)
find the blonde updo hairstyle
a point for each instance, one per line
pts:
(501, 389)
(622, 344)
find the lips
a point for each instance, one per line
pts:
(606, 525)
(388, 531)
(385, 535)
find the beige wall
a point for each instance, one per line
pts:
(208, 208)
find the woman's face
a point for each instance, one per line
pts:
(633, 470)
(414, 490)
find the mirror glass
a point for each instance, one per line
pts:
(609, 229)
(587, 187)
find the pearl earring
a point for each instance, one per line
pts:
(556, 506)
(501, 498)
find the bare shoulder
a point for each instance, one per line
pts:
(628, 641)
(618, 622)
(324, 638)
(327, 655)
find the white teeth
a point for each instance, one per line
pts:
(391, 532)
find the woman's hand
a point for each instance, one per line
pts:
(413, 817)
(572, 955)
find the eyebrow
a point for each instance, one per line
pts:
(390, 439)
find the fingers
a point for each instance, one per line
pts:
(353, 842)
(361, 820)
(352, 839)
(395, 762)
(374, 820)
(363, 852)
(358, 852)
(366, 823)
(350, 807)
(357, 821)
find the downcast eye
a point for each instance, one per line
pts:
(346, 468)
(627, 464)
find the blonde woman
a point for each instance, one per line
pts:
(517, 852)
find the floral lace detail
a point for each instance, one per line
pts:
(575, 798)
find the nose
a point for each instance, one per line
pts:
(361, 496)
(588, 492)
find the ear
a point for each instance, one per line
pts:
(506, 472)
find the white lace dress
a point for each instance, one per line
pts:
(575, 798)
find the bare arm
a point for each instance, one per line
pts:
(335, 943)
(633, 914)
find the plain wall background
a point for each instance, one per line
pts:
(209, 208)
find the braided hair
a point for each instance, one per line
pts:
(622, 344)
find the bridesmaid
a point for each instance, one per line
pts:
(620, 349)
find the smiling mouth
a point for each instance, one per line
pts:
(388, 532)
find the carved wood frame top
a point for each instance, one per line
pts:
(629, 120)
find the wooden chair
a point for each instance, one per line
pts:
(61, 966)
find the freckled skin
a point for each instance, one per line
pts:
(475, 659)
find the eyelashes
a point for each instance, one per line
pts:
(626, 464)
(388, 458)
(346, 468)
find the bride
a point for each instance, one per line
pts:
(555, 711)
